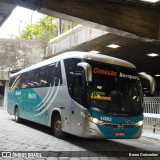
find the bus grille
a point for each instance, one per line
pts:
(109, 125)
(119, 126)
(129, 126)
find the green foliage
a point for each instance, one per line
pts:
(45, 29)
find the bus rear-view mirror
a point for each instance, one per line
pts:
(88, 70)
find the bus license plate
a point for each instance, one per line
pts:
(119, 134)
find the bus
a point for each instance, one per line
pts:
(85, 94)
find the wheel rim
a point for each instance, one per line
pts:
(57, 128)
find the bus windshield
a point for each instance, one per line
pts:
(114, 90)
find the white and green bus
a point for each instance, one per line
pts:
(81, 93)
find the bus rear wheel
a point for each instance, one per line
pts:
(17, 118)
(57, 127)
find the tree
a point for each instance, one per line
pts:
(27, 32)
(44, 30)
(49, 27)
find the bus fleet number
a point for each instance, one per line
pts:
(106, 118)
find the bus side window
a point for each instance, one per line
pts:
(55, 74)
(16, 82)
(58, 74)
(32, 79)
(36, 80)
(42, 77)
(51, 74)
(23, 81)
(11, 82)
(70, 66)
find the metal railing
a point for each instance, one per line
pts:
(152, 114)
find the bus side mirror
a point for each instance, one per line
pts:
(151, 80)
(88, 70)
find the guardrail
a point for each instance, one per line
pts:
(152, 114)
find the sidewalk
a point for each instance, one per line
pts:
(3, 108)
(150, 134)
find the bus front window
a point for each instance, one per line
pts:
(114, 94)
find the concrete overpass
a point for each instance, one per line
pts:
(133, 16)
(134, 25)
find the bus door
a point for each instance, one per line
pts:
(78, 95)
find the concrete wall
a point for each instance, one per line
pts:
(72, 38)
(20, 53)
(17, 54)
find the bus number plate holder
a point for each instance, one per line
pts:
(119, 134)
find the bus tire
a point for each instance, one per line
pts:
(57, 127)
(17, 118)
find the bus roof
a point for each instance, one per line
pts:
(83, 55)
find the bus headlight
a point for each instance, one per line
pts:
(91, 119)
(95, 120)
(140, 123)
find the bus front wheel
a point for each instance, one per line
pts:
(17, 118)
(57, 127)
